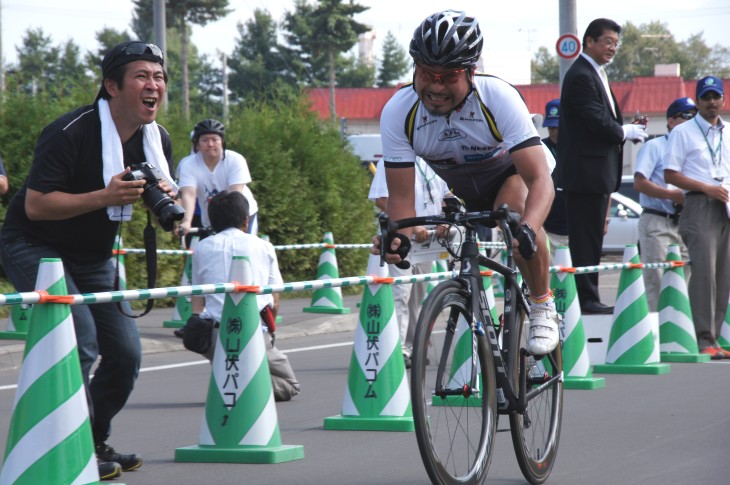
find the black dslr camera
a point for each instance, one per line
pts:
(161, 204)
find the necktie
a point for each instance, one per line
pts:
(604, 78)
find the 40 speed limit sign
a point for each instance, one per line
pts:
(568, 46)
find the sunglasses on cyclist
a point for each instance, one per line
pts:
(685, 116)
(447, 77)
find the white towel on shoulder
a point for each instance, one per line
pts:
(113, 156)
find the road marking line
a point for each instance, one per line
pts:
(198, 362)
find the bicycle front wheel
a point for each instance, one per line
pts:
(536, 432)
(453, 390)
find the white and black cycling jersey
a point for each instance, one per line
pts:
(466, 147)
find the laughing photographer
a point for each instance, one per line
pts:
(77, 193)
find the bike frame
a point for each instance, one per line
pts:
(509, 399)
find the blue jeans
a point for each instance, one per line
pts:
(101, 329)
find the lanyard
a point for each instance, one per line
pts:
(427, 182)
(716, 159)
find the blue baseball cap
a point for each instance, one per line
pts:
(552, 114)
(681, 105)
(707, 84)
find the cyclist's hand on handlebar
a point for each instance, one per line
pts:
(396, 251)
(526, 240)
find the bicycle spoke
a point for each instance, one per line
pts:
(455, 433)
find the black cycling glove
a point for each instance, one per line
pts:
(526, 237)
(402, 251)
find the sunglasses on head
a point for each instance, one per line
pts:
(140, 48)
(447, 77)
(685, 116)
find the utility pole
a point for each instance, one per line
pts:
(224, 60)
(160, 30)
(568, 25)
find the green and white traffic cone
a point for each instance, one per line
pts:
(633, 345)
(487, 278)
(724, 338)
(240, 424)
(119, 256)
(17, 328)
(438, 266)
(183, 309)
(461, 368)
(576, 361)
(49, 440)
(377, 397)
(677, 337)
(327, 300)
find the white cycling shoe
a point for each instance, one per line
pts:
(544, 333)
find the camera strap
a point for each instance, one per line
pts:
(150, 251)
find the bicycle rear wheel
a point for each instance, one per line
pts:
(455, 433)
(535, 434)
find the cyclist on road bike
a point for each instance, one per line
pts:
(476, 133)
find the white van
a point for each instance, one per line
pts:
(368, 148)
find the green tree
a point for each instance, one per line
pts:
(260, 63)
(107, 38)
(180, 14)
(38, 61)
(544, 67)
(305, 181)
(646, 45)
(395, 62)
(322, 31)
(71, 67)
(353, 73)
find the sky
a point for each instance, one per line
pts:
(509, 34)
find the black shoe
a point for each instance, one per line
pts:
(105, 452)
(109, 470)
(407, 361)
(179, 332)
(595, 308)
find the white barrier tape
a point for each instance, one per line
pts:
(32, 297)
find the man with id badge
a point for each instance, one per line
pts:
(698, 162)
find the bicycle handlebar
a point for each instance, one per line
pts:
(507, 219)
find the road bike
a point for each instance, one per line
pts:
(468, 369)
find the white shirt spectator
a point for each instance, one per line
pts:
(212, 264)
(231, 170)
(690, 150)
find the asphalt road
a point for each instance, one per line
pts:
(663, 430)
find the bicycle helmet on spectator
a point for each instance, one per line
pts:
(207, 127)
(450, 39)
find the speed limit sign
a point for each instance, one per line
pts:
(568, 46)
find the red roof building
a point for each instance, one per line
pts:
(361, 107)
(649, 95)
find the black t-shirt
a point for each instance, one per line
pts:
(68, 159)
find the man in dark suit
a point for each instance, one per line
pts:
(590, 151)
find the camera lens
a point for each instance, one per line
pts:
(170, 213)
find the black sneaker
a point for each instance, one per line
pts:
(109, 470)
(105, 452)
(180, 332)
